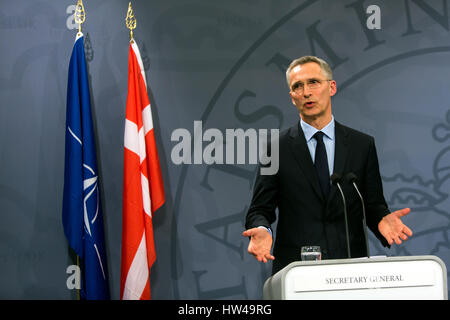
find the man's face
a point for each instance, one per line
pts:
(313, 104)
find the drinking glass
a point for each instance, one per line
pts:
(311, 253)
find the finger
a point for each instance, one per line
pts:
(248, 233)
(407, 231)
(390, 239)
(397, 240)
(402, 212)
(262, 257)
(270, 257)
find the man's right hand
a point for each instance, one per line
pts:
(260, 244)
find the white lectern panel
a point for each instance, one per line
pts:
(418, 277)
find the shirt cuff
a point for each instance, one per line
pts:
(268, 230)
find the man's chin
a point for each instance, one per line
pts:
(309, 114)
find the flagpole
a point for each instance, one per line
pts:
(80, 17)
(79, 268)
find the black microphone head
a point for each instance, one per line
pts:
(351, 177)
(335, 178)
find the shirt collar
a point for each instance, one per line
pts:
(309, 130)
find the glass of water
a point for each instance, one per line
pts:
(311, 253)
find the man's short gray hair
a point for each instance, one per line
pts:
(305, 59)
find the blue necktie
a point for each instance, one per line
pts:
(321, 164)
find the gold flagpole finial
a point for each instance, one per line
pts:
(80, 14)
(130, 20)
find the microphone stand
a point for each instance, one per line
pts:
(335, 178)
(351, 177)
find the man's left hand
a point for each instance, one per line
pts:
(392, 227)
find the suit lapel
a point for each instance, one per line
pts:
(302, 156)
(340, 153)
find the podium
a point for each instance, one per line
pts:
(374, 278)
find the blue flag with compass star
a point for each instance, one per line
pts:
(82, 214)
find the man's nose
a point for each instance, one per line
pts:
(306, 92)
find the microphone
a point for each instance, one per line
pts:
(335, 179)
(351, 177)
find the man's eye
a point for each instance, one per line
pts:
(313, 81)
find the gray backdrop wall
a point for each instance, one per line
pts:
(221, 62)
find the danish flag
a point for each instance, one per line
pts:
(143, 190)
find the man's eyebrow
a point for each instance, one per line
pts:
(299, 81)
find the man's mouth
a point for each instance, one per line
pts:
(309, 104)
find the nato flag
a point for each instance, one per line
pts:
(82, 214)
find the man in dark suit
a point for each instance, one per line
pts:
(310, 209)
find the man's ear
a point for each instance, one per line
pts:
(333, 88)
(292, 95)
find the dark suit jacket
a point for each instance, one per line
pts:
(304, 216)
